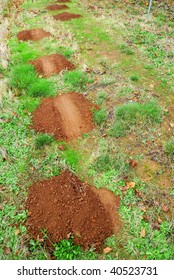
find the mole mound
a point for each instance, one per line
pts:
(66, 16)
(56, 7)
(65, 206)
(33, 35)
(63, 1)
(66, 116)
(51, 64)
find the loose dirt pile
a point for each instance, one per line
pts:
(66, 16)
(66, 116)
(51, 64)
(65, 206)
(56, 7)
(63, 1)
(33, 34)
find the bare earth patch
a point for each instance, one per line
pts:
(51, 64)
(66, 206)
(33, 34)
(66, 16)
(66, 116)
(56, 7)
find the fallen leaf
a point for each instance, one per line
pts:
(155, 225)
(17, 231)
(171, 125)
(143, 208)
(143, 232)
(165, 208)
(132, 163)
(130, 184)
(7, 250)
(107, 250)
(61, 147)
(159, 220)
(138, 193)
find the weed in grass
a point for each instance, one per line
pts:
(134, 78)
(169, 147)
(101, 97)
(124, 91)
(76, 80)
(71, 158)
(67, 250)
(37, 250)
(118, 129)
(126, 49)
(100, 116)
(43, 140)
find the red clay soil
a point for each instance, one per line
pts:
(66, 16)
(33, 34)
(51, 64)
(56, 7)
(63, 1)
(65, 206)
(65, 116)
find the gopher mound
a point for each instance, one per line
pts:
(63, 1)
(33, 35)
(64, 206)
(55, 7)
(65, 116)
(66, 16)
(51, 64)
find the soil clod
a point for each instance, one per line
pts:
(33, 35)
(66, 116)
(51, 64)
(63, 205)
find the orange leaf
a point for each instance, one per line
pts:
(107, 250)
(143, 232)
(130, 184)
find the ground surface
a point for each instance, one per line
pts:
(121, 62)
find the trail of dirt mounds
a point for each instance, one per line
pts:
(65, 206)
(55, 7)
(51, 64)
(66, 116)
(32, 34)
(66, 16)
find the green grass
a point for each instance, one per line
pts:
(43, 140)
(133, 114)
(76, 80)
(169, 147)
(24, 77)
(100, 116)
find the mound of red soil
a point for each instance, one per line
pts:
(65, 206)
(63, 1)
(56, 7)
(51, 64)
(66, 16)
(33, 34)
(65, 116)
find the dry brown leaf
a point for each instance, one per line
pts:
(130, 184)
(107, 250)
(165, 208)
(17, 231)
(171, 125)
(143, 232)
(132, 163)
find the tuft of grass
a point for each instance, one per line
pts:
(43, 140)
(134, 78)
(102, 96)
(71, 157)
(23, 77)
(169, 147)
(100, 116)
(76, 80)
(134, 113)
(126, 49)
(41, 88)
